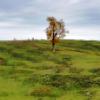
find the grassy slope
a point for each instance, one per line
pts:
(26, 65)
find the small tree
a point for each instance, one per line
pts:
(55, 31)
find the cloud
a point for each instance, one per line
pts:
(30, 16)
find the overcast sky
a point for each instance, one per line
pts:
(23, 19)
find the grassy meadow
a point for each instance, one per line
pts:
(29, 70)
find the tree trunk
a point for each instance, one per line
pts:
(53, 41)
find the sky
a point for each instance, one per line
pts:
(26, 19)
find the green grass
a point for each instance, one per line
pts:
(29, 70)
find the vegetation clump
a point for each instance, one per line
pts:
(42, 91)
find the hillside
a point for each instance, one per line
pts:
(29, 70)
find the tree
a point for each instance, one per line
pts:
(55, 31)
